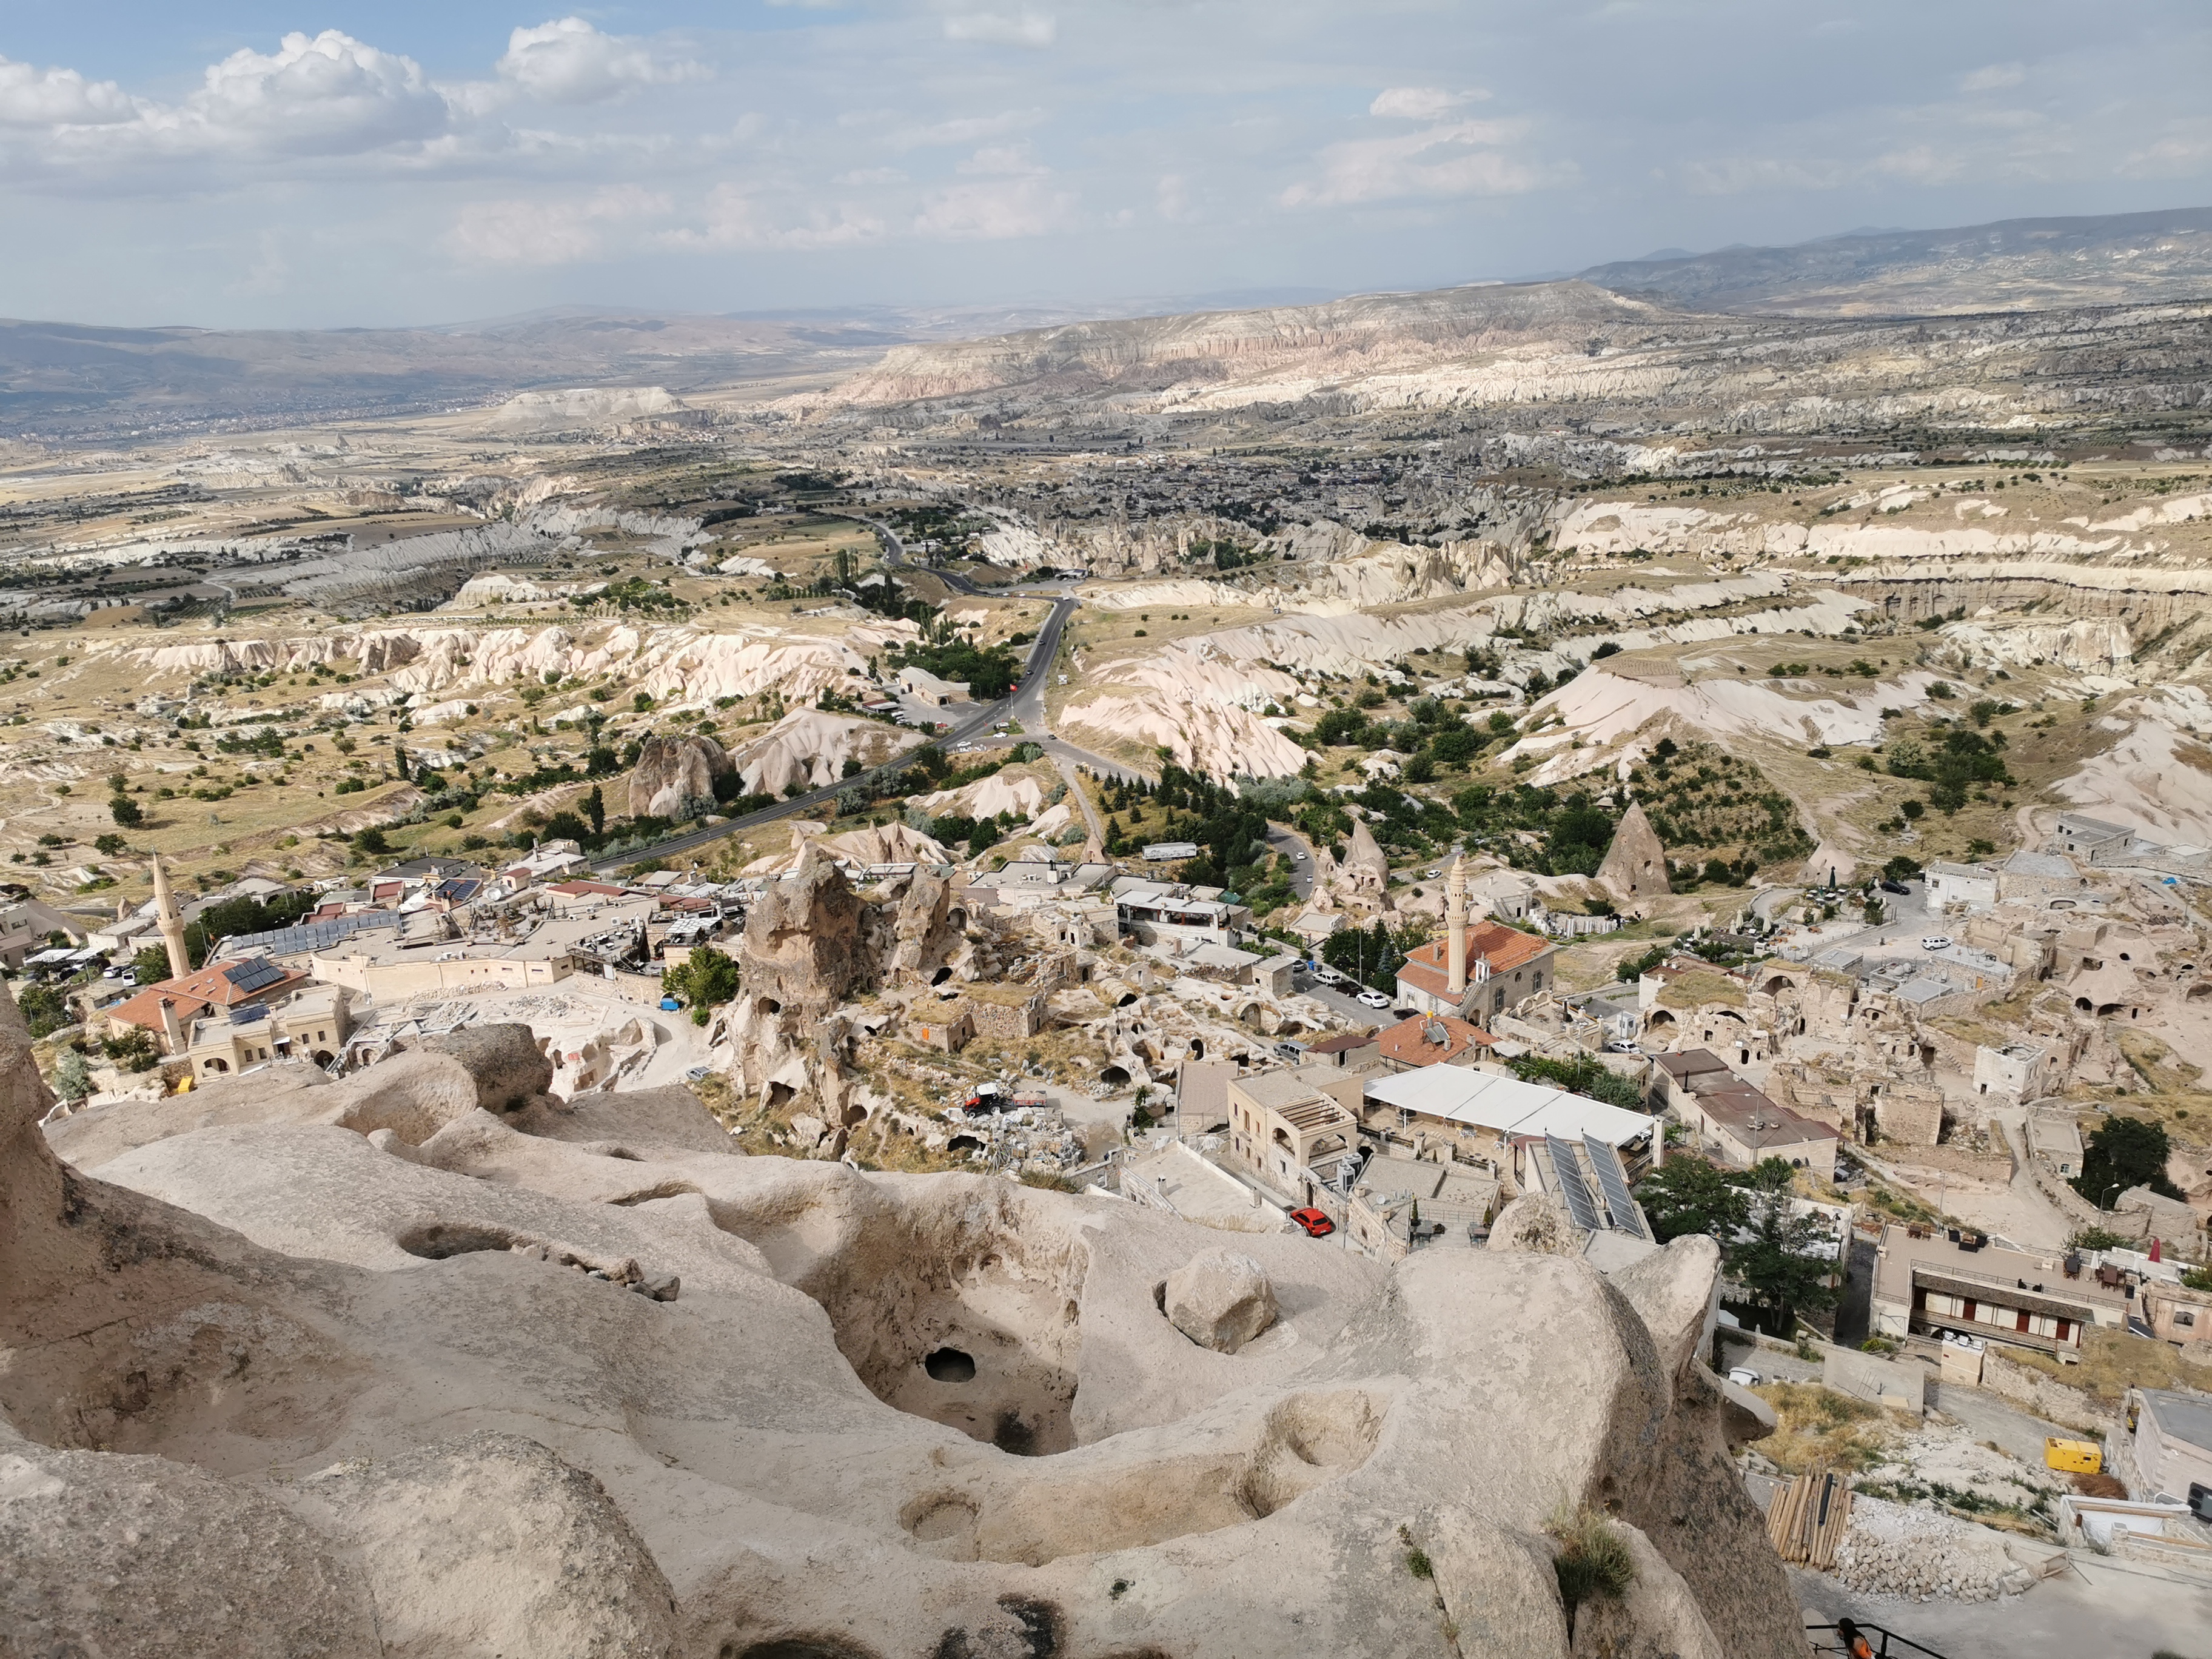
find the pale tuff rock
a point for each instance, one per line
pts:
(924, 932)
(535, 411)
(1832, 864)
(673, 775)
(406, 1340)
(802, 949)
(196, 1553)
(809, 748)
(1220, 1300)
(1533, 1224)
(1365, 871)
(570, 1575)
(1635, 866)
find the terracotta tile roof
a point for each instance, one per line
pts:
(1408, 1041)
(197, 993)
(1506, 949)
(1422, 977)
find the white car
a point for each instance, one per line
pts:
(1744, 1378)
(1936, 942)
(1299, 857)
(1372, 1000)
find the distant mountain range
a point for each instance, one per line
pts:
(69, 380)
(2014, 264)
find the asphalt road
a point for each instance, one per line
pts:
(1290, 843)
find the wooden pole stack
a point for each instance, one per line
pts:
(1808, 1518)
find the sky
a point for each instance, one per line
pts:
(367, 163)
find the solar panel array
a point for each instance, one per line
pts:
(1573, 1187)
(1605, 1159)
(253, 976)
(313, 935)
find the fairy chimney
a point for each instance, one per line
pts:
(1636, 864)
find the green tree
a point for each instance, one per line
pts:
(1688, 1196)
(72, 1077)
(1786, 1260)
(372, 841)
(151, 965)
(2121, 1153)
(595, 808)
(126, 812)
(1584, 1075)
(708, 980)
(46, 1007)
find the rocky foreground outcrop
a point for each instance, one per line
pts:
(356, 1369)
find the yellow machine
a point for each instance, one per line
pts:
(2076, 1456)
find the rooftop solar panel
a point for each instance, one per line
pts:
(1573, 1187)
(1613, 1179)
(312, 935)
(254, 975)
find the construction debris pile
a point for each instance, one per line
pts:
(1895, 1549)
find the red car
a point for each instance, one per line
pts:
(1316, 1225)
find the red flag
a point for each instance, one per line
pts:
(2154, 1249)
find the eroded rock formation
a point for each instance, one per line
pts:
(671, 773)
(307, 1395)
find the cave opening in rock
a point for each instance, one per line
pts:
(973, 1323)
(1114, 1077)
(950, 1365)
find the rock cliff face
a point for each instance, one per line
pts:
(963, 1392)
(802, 948)
(672, 771)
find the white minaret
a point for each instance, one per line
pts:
(172, 924)
(1455, 924)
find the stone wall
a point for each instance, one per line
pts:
(1007, 1022)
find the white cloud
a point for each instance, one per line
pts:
(1459, 158)
(1420, 103)
(1029, 28)
(328, 95)
(1171, 197)
(1005, 162)
(966, 129)
(569, 62)
(737, 218)
(1994, 78)
(869, 176)
(999, 211)
(556, 233)
(58, 97)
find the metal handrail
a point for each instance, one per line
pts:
(1887, 1644)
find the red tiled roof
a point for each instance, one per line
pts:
(1408, 1042)
(1505, 948)
(577, 889)
(196, 993)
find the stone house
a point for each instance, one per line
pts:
(948, 1026)
(2020, 1071)
(1503, 967)
(312, 1023)
(1280, 1126)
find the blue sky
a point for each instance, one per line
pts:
(280, 163)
